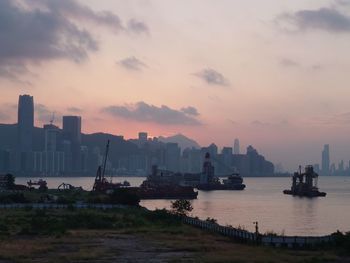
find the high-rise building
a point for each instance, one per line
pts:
(172, 157)
(325, 160)
(236, 149)
(25, 128)
(72, 133)
(72, 128)
(25, 123)
(51, 137)
(143, 136)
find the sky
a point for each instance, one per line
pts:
(274, 74)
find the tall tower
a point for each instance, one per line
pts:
(325, 160)
(25, 123)
(236, 149)
(72, 134)
(72, 128)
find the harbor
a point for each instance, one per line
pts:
(262, 201)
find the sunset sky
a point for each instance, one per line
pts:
(274, 74)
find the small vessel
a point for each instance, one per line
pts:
(305, 184)
(208, 182)
(101, 183)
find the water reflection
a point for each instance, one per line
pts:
(262, 201)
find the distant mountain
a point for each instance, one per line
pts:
(183, 141)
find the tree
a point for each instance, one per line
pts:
(181, 207)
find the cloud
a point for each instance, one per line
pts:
(7, 111)
(285, 62)
(132, 63)
(45, 114)
(232, 122)
(4, 116)
(74, 110)
(138, 27)
(144, 112)
(13, 71)
(34, 31)
(342, 2)
(339, 119)
(212, 77)
(190, 111)
(325, 19)
(317, 67)
(260, 123)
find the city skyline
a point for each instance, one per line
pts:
(179, 70)
(64, 147)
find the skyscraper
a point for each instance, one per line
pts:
(143, 136)
(325, 160)
(236, 147)
(25, 123)
(25, 127)
(72, 128)
(72, 133)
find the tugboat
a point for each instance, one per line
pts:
(101, 183)
(165, 185)
(307, 187)
(208, 182)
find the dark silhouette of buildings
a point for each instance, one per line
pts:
(25, 128)
(52, 151)
(325, 160)
(72, 140)
(236, 148)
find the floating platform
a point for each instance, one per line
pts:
(305, 184)
(306, 194)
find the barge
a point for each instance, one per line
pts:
(305, 184)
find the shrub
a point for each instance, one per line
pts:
(181, 207)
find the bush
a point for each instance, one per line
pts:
(342, 241)
(11, 198)
(181, 207)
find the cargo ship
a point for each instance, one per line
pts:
(305, 184)
(165, 185)
(208, 182)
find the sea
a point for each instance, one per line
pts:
(262, 201)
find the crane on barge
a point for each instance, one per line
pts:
(101, 183)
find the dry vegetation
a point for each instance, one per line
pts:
(143, 239)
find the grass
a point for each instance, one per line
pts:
(128, 235)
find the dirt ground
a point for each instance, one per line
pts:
(123, 246)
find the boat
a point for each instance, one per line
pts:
(101, 183)
(305, 184)
(165, 185)
(209, 182)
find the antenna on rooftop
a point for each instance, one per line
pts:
(52, 118)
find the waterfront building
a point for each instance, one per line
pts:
(143, 136)
(236, 149)
(72, 133)
(25, 129)
(172, 157)
(325, 160)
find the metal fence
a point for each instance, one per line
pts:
(270, 240)
(61, 206)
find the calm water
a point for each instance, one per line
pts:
(261, 201)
